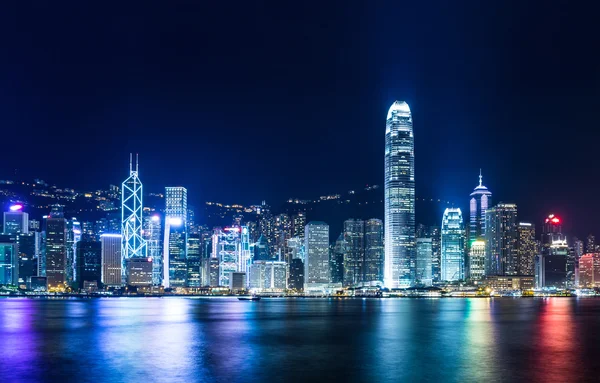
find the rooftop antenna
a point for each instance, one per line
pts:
(137, 162)
(130, 162)
(480, 177)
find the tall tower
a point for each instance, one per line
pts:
(132, 243)
(453, 245)
(399, 197)
(501, 240)
(481, 200)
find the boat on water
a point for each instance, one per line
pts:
(249, 298)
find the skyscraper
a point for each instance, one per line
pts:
(481, 200)
(477, 260)
(354, 251)
(374, 251)
(453, 245)
(336, 262)
(316, 244)
(589, 270)
(527, 249)
(89, 262)
(590, 243)
(133, 245)
(9, 271)
(175, 237)
(73, 236)
(423, 263)
(112, 262)
(56, 251)
(556, 265)
(399, 199)
(193, 260)
(15, 220)
(298, 224)
(501, 240)
(152, 231)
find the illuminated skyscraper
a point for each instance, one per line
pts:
(73, 236)
(354, 251)
(423, 263)
(527, 248)
(227, 247)
(89, 262)
(55, 248)
(481, 200)
(556, 265)
(298, 224)
(477, 260)
(374, 251)
(501, 239)
(152, 231)
(589, 270)
(15, 220)
(193, 260)
(133, 245)
(175, 237)
(453, 245)
(316, 245)
(336, 261)
(399, 200)
(112, 273)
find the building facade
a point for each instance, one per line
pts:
(316, 244)
(502, 240)
(527, 248)
(112, 262)
(453, 246)
(374, 251)
(354, 252)
(399, 197)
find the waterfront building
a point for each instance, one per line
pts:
(296, 278)
(453, 245)
(55, 249)
(480, 201)
(423, 263)
(27, 256)
(237, 282)
(15, 220)
(194, 260)
(152, 236)
(502, 240)
(133, 245)
(510, 282)
(89, 262)
(336, 261)
(557, 266)
(477, 260)
(354, 252)
(527, 248)
(245, 250)
(139, 272)
(175, 237)
(399, 197)
(227, 247)
(316, 245)
(73, 236)
(112, 262)
(9, 270)
(268, 276)
(374, 251)
(589, 270)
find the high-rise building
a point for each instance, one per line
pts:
(245, 250)
(227, 247)
(152, 236)
(55, 249)
(133, 245)
(175, 237)
(261, 250)
(589, 270)
(423, 262)
(477, 260)
(268, 276)
(374, 251)
(28, 257)
(73, 236)
(481, 200)
(112, 262)
(354, 251)
(282, 232)
(336, 264)
(9, 270)
(194, 260)
(399, 199)
(453, 245)
(298, 224)
(296, 280)
(590, 243)
(15, 220)
(89, 262)
(556, 265)
(527, 248)
(139, 272)
(501, 240)
(316, 245)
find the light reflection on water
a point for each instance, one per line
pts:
(226, 340)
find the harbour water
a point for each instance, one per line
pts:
(299, 340)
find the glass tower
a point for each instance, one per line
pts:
(399, 197)
(453, 245)
(481, 199)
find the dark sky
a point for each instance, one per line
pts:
(250, 100)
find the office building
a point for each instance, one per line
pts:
(89, 262)
(73, 236)
(268, 276)
(453, 245)
(15, 220)
(589, 270)
(139, 272)
(374, 251)
(480, 201)
(56, 249)
(527, 248)
(298, 224)
(399, 197)
(227, 249)
(296, 279)
(193, 260)
(354, 252)
(477, 260)
(336, 260)
(9, 264)
(501, 240)
(316, 245)
(133, 244)
(28, 256)
(590, 243)
(237, 282)
(261, 250)
(423, 262)
(112, 262)
(152, 236)
(556, 264)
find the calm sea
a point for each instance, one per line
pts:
(299, 340)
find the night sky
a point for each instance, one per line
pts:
(245, 101)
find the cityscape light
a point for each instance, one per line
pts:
(16, 207)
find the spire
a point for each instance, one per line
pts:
(130, 162)
(137, 164)
(480, 178)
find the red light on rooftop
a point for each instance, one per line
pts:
(555, 220)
